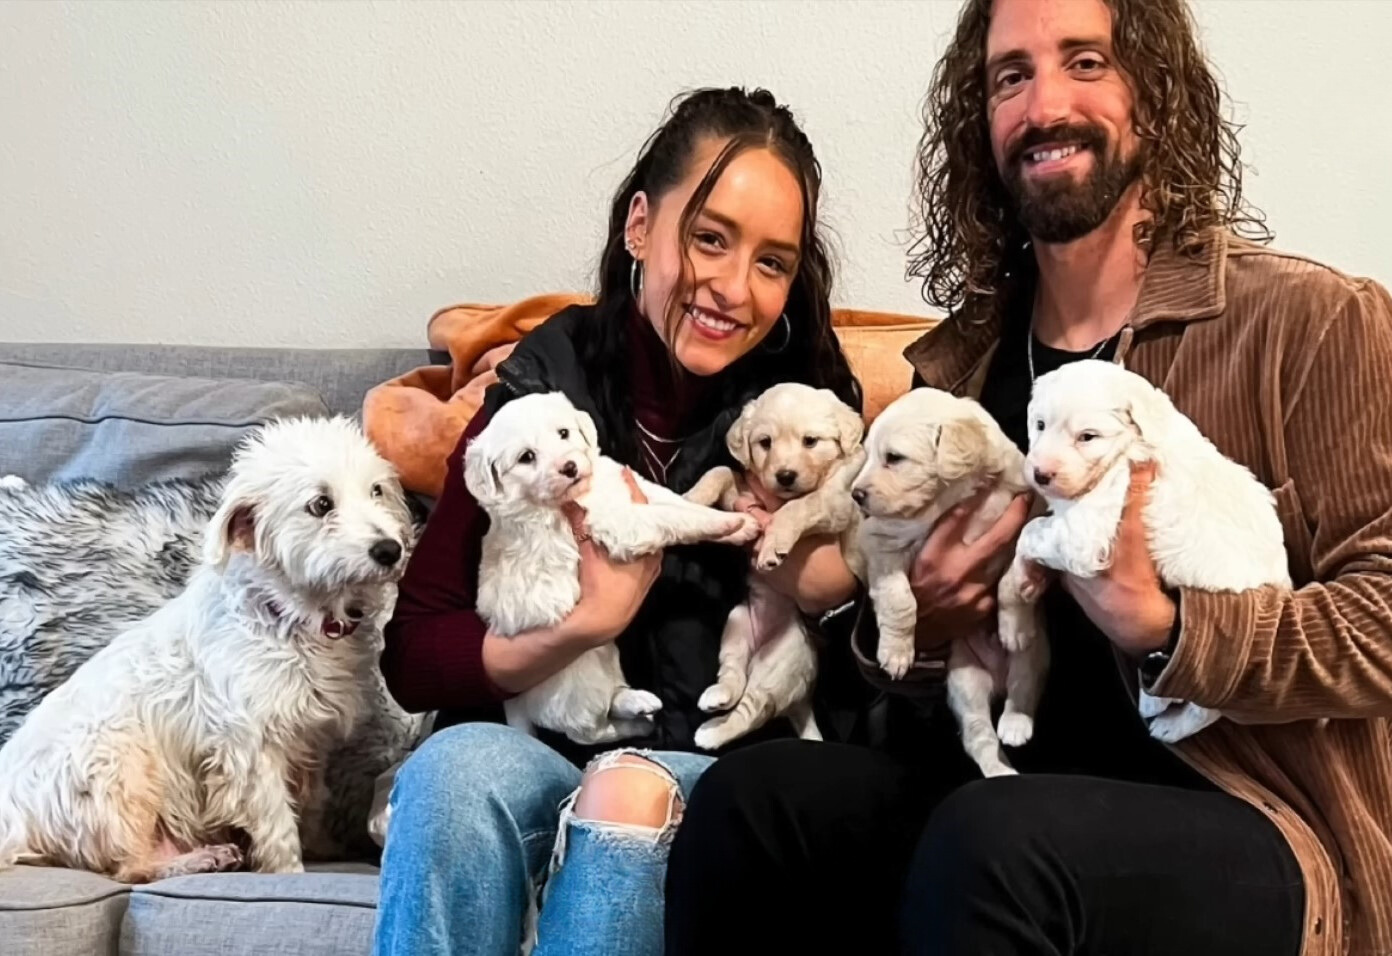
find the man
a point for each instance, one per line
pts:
(1081, 196)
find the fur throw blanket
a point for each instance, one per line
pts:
(80, 562)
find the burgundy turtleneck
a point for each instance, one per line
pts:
(433, 656)
(666, 397)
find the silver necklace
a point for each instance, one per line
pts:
(1029, 348)
(647, 438)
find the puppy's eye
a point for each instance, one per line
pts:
(810, 441)
(1039, 424)
(376, 491)
(564, 433)
(893, 458)
(765, 443)
(527, 457)
(1086, 437)
(320, 506)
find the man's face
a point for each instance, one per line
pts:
(1060, 114)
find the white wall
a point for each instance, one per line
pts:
(330, 173)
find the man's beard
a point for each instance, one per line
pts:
(1059, 209)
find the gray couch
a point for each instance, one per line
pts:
(128, 414)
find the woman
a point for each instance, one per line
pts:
(713, 286)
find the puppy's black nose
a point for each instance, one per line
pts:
(786, 477)
(1042, 478)
(859, 496)
(385, 552)
(569, 469)
(355, 613)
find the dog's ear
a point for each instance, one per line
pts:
(586, 426)
(961, 445)
(850, 427)
(231, 528)
(737, 438)
(1149, 410)
(481, 474)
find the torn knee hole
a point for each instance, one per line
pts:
(628, 790)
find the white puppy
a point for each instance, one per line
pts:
(926, 453)
(1210, 523)
(802, 444)
(538, 453)
(209, 719)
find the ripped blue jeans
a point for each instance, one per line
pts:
(484, 857)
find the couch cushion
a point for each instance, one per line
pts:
(47, 910)
(876, 357)
(129, 428)
(330, 909)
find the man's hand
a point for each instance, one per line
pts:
(1127, 601)
(955, 583)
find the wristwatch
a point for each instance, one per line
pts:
(1154, 663)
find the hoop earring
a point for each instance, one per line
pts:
(787, 335)
(635, 280)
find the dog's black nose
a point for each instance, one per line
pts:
(859, 496)
(786, 477)
(354, 613)
(569, 469)
(1042, 478)
(385, 552)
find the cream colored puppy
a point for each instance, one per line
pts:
(926, 453)
(1210, 523)
(802, 444)
(538, 453)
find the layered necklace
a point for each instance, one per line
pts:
(658, 451)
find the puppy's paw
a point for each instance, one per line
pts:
(895, 656)
(629, 704)
(13, 483)
(1033, 578)
(714, 733)
(769, 556)
(778, 543)
(995, 767)
(707, 738)
(717, 699)
(1177, 723)
(743, 528)
(1150, 707)
(1014, 729)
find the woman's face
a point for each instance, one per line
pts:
(744, 252)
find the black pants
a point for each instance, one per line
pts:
(798, 847)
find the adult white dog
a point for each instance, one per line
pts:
(802, 445)
(926, 453)
(208, 721)
(537, 454)
(1210, 523)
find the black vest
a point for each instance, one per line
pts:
(672, 646)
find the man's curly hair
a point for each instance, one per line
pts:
(968, 242)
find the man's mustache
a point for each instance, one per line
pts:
(1085, 135)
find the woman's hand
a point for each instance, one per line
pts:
(611, 592)
(955, 583)
(814, 573)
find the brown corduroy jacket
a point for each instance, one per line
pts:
(1286, 365)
